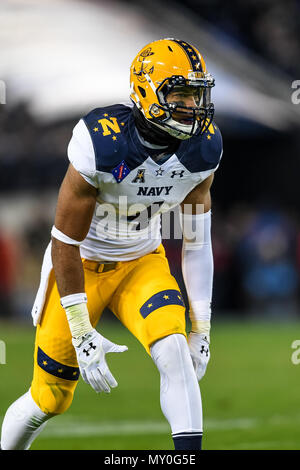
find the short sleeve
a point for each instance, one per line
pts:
(81, 153)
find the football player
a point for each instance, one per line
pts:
(130, 163)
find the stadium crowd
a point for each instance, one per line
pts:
(268, 27)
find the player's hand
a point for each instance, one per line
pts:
(199, 350)
(91, 360)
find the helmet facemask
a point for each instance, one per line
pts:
(176, 118)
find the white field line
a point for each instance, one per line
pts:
(267, 445)
(68, 426)
(74, 427)
(77, 428)
(230, 424)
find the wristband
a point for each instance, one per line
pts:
(75, 306)
(200, 314)
(73, 299)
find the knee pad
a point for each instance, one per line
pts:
(52, 395)
(54, 399)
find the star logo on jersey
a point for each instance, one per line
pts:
(159, 172)
(121, 171)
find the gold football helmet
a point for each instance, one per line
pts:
(171, 87)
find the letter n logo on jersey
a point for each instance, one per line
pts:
(110, 123)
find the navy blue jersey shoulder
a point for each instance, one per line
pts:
(202, 152)
(111, 130)
(113, 133)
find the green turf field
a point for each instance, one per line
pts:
(250, 392)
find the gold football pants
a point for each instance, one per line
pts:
(141, 293)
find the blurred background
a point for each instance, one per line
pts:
(59, 59)
(62, 58)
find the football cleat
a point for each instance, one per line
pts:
(170, 86)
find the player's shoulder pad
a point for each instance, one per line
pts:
(108, 128)
(202, 152)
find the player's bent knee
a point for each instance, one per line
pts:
(53, 384)
(54, 398)
(171, 356)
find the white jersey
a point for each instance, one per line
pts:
(133, 189)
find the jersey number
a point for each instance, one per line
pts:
(142, 218)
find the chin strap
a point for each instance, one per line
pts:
(152, 133)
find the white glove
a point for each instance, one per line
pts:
(91, 360)
(199, 350)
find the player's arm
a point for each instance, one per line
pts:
(197, 269)
(75, 208)
(199, 199)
